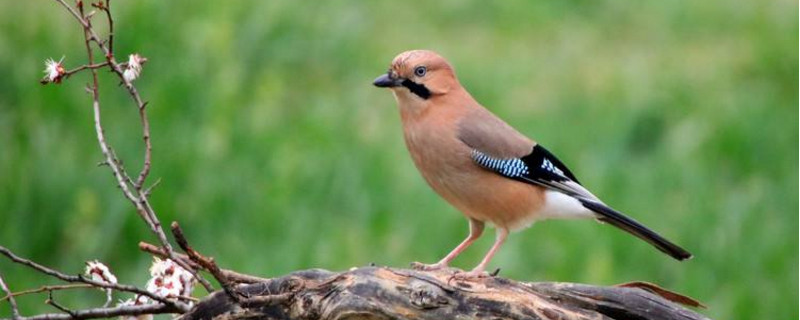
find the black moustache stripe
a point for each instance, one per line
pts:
(418, 89)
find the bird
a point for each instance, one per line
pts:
(483, 167)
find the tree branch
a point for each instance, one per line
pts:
(56, 305)
(206, 263)
(98, 313)
(231, 275)
(46, 288)
(387, 293)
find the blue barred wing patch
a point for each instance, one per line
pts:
(540, 166)
(511, 167)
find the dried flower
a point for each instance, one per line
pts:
(53, 71)
(134, 68)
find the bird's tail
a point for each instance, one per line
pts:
(619, 220)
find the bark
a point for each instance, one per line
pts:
(387, 293)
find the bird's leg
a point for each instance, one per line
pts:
(479, 271)
(475, 231)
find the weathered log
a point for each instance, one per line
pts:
(387, 293)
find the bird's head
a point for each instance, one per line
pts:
(417, 76)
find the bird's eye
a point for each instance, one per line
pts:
(420, 71)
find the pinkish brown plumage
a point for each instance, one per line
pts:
(484, 167)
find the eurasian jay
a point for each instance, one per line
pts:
(484, 167)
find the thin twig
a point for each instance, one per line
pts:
(82, 279)
(110, 27)
(207, 263)
(71, 72)
(150, 189)
(158, 252)
(148, 148)
(46, 288)
(106, 7)
(55, 304)
(233, 276)
(98, 313)
(11, 301)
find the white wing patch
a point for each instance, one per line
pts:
(547, 165)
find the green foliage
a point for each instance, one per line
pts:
(276, 153)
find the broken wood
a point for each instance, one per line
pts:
(388, 293)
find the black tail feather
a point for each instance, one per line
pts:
(635, 228)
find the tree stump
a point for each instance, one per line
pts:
(388, 293)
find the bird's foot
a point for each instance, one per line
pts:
(428, 267)
(471, 275)
(477, 273)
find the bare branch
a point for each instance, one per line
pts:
(11, 301)
(149, 189)
(158, 252)
(55, 304)
(206, 263)
(98, 313)
(71, 72)
(231, 275)
(106, 7)
(148, 149)
(46, 288)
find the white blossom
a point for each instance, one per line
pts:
(98, 271)
(169, 280)
(138, 301)
(53, 71)
(134, 68)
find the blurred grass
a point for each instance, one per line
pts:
(276, 153)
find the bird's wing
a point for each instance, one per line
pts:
(539, 167)
(481, 130)
(496, 146)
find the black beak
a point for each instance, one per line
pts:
(387, 81)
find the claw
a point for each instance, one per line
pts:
(427, 267)
(471, 275)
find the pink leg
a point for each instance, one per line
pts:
(479, 270)
(475, 231)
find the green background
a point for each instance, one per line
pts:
(276, 153)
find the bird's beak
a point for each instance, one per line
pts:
(387, 81)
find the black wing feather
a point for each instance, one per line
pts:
(540, 157)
